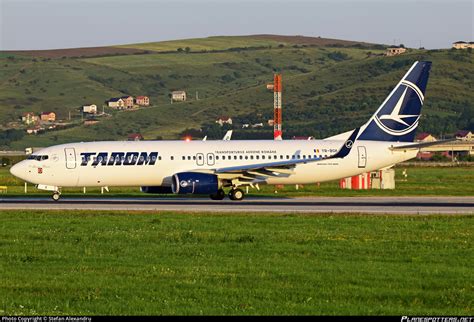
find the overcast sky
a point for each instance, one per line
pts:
(46, 24)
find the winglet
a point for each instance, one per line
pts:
(347, 146)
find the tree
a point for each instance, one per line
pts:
(187, 49)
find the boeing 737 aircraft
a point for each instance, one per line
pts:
(207, 167)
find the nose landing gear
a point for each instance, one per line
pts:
(56, 195)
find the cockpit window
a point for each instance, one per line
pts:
(38, 157)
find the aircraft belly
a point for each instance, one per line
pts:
(120, 176)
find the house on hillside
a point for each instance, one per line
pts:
(178, 96)
(116, 102)
(425, 137)
(224, 120)
(142, 100)
(48, 116)
(128, 101)
(135, 137)
(29, 118)
(395, 50)
(464, 135)
(90, 109)
(461, 45)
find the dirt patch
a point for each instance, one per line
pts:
(314, 41)
(80, 52)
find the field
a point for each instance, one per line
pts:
(421, 181)
(328, 87)
(98, 263)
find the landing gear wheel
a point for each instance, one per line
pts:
(219, 195)
(56, 196)
(236, 194)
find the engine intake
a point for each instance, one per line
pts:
(194, 183)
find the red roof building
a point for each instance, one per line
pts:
(425, 137)
(135, 137)
(143, 100)
(48, 116)
(464, 135)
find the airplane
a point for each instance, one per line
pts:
(209, 167)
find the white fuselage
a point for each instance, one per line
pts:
(66, 165)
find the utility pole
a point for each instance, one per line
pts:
(197, 96)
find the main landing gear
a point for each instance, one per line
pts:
(235, 194)
(56, 195)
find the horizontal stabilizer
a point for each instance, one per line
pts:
(417, 146)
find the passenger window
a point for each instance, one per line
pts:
(189, 157)
(194, 157)
(217, 157)
(159, 158)
(281, 157)
(246, 157)
(172, 158)
(263, 157)
(184, 158)
(257, 157)
(240, 157)
(287, 156)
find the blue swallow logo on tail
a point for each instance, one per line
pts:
(397, 117)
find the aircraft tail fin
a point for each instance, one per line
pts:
(397, 117)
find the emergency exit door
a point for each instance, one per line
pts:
(362, 156)
(70, 158)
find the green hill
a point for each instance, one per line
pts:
(330, 86)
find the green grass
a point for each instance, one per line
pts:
(421, 181)
(98, 263)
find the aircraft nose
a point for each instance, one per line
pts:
(18, 170)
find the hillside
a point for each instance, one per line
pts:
(329, 86)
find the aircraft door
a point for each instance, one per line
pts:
(210, 159)
(70, 158)
(200, 159)
(362, 156)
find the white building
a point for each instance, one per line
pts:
(178, 96)
(91, 109)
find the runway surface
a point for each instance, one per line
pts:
(375, 205)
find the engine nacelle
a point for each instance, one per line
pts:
(194, 183)
(156, 189)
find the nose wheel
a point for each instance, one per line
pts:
(236, 194)
(56, 195)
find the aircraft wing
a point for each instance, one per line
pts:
(254, 173)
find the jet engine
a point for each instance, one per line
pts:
(194, 183)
